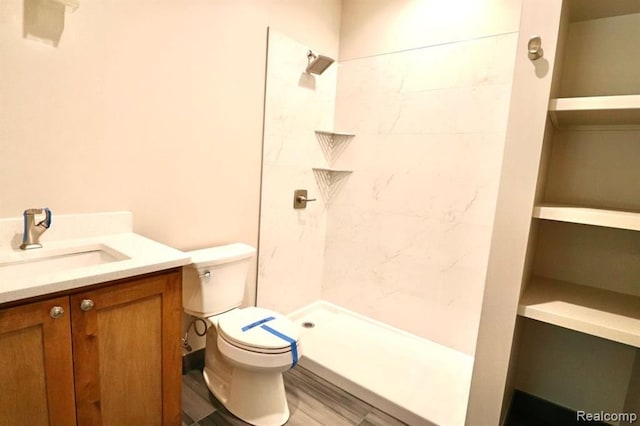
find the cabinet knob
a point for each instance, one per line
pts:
(87, 305)
(56, 312)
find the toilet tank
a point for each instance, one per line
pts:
(215, 280)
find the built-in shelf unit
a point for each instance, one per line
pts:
(586, 230)
(602, 313)
(588, 216)
(577, 255)
(622, 110)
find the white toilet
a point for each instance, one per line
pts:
(247, 349)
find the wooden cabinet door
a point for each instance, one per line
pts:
(36, 367)
(127, 352)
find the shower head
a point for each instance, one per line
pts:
(317, 63)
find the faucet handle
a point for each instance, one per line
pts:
(46, 222)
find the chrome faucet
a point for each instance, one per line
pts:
(33, 230)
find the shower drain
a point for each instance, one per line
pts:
(308, 324)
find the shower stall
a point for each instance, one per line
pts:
(384, 267)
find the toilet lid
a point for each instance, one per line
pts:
(259, 328)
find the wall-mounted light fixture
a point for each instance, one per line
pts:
(43, 20)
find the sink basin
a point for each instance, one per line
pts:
(17, 264)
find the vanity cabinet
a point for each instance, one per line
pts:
(36, 365)
(561, 310)
(105, 355)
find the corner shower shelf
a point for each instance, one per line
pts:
(330, 181)
(331, 176)
(333, 143)
(588, 216)
(598, 312)
(336, 137)
(594, 111)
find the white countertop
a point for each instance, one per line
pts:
(136, 255)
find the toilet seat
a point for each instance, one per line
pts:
(252, 349)
(259, 330)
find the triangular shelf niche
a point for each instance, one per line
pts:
(330, 181)
(333, 143)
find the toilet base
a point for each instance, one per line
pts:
(253, 394)
(257, 398)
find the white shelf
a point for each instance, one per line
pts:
(596, 111)
(329, 177)
(589, 216)
(331, 171)
(330, 181)
(601, 313)
(333, 143)
(335, 135)
(585, 10)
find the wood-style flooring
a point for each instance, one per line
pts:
(312, 401)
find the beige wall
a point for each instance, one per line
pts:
(374, 27)
(152, 106)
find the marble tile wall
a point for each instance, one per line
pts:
(292, 242)
(408, 234)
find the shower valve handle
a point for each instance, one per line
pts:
(300, 199)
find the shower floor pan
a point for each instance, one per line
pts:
(415, 380)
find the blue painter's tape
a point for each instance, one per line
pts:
(294, 346)
(257, 323)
